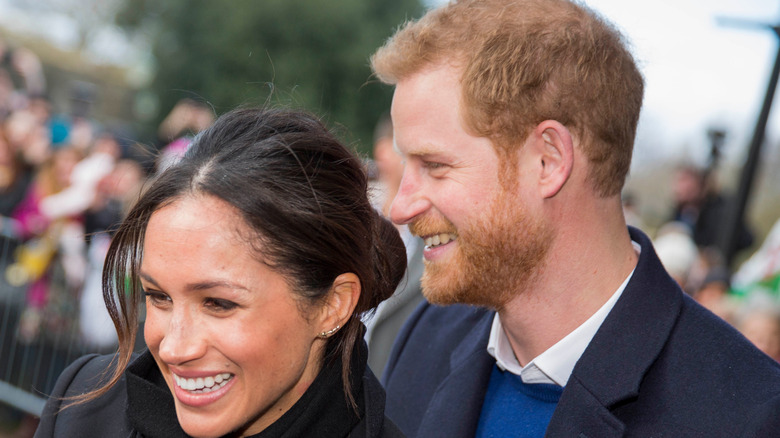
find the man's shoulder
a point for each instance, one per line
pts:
(441, 352)
(438, 327)
(713, 373)
(720, 354)
(428, 314)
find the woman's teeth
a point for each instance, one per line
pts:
(439, 239)
(203, 384)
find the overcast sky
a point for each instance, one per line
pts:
(700, 73)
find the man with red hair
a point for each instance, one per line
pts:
(546, 314)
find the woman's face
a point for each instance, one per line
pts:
(225, 330)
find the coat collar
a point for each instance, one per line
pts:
(632, 336)
(321, 411)
(464, 388)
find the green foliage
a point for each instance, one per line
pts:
(305, 53)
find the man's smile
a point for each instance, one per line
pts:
(435, 240)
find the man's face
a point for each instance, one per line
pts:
(483, 244)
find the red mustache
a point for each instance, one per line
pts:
(427, 226)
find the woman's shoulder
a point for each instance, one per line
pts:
(374, 423)
(85, 374)
(388, 429)
(102, 416)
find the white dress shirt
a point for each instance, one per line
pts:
(556, 363)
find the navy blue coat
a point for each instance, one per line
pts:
(659, 366)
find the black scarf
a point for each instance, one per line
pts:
(322, 411)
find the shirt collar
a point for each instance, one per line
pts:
(556, 363)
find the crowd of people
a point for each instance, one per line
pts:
(688, 246)
(498, 168)
(66, 181)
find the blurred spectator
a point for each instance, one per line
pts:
(700, 206)
(21, 76)
(14, 181)
(762, 327)
(677, 252)
(28, 138)
(388, 162)
(26, 64)
(51, 179)
(186, 119)
(713, 293)
(82, 187)
(43, 233)
(116, 192)
(390, 315)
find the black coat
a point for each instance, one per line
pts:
(140, 405)
(659, 366)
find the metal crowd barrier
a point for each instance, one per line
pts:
(31, 359)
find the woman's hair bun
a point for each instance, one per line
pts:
(389, 259)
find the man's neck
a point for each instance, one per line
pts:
(577, 278)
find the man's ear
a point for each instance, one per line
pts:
(339, 304)
(554, 153)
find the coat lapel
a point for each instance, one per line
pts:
(579, 414)
(463, 390)
(632, 336)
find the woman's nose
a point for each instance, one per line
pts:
(182, 340)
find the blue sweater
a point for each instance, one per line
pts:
(516, 409)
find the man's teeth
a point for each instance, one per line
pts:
(439, 239)
(203, 384)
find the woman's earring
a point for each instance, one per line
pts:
(330, 332)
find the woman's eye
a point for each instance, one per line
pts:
(157, 297)
(220, 304)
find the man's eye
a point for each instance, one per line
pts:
(433, 165)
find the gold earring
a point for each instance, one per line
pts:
(330, 332)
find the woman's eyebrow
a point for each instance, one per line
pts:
(202, 285)
(148, 278)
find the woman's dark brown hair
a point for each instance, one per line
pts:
(302, 193)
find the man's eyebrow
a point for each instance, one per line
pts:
(425, 151)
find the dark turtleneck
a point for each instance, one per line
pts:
(322, 411)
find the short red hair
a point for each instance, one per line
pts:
(526, 61)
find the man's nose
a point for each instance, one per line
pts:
(410, 201)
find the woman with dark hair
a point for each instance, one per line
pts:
(257, 254)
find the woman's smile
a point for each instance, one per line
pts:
(202, 391)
